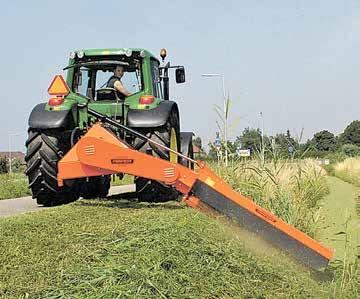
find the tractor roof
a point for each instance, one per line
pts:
(115, 51)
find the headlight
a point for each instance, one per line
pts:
(128, 52)
(72, 55)
(80, 54)
(142, 54)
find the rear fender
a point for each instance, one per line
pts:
(157, 117)
(43, 119)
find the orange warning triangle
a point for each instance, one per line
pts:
(58, 87)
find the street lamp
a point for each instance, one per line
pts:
(224, 110)
(10, 158)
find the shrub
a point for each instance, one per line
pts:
(4, 165)
(350, 150)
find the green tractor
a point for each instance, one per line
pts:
(56, 126)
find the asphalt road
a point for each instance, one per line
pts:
(9, 207)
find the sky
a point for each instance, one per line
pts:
(297, 62)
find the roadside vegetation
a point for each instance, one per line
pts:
(290, 189)
(348, 170)
(13, 185)
(112, 249)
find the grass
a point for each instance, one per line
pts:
(289, 189)
(339, 222)
(121, 249)
(109, 249)
(348, 170)
(126, 180)
(13, 185)
(16, 185)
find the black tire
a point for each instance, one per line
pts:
(153, 191)
(189, 152)
(44, 148)
(96, 187)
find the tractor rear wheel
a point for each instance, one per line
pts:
(168, 135)
(44, 148)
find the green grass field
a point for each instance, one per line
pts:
(119, 249)
(122, 249)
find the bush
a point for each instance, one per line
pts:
(4, 165)
(350, 150)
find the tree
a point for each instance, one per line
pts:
(350, 150)
(285, 144)
(351, 134)
(324, 141)
(18, 165)
(4, 165)
(250, 139)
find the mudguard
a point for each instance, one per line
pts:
(151, 118)
(43, 119)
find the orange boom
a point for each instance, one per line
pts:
(100, 152)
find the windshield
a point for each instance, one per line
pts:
(89, 78)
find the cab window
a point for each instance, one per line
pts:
(155, 73)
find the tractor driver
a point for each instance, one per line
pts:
(115, 82)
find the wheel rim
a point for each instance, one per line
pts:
(173, 146)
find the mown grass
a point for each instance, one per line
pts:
(109, 249)
(120, 249)
(13, 185)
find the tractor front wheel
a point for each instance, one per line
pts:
(44, 148)
(168, 135)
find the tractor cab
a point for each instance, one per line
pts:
(91, 76)
(90, 70)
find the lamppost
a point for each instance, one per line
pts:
(225, 110)
(10, 158)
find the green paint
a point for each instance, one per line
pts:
(339, 220)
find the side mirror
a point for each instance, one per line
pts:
(180, 75)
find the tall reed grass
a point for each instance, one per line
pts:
(290, 189)
(348, 170)
(346, 281)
